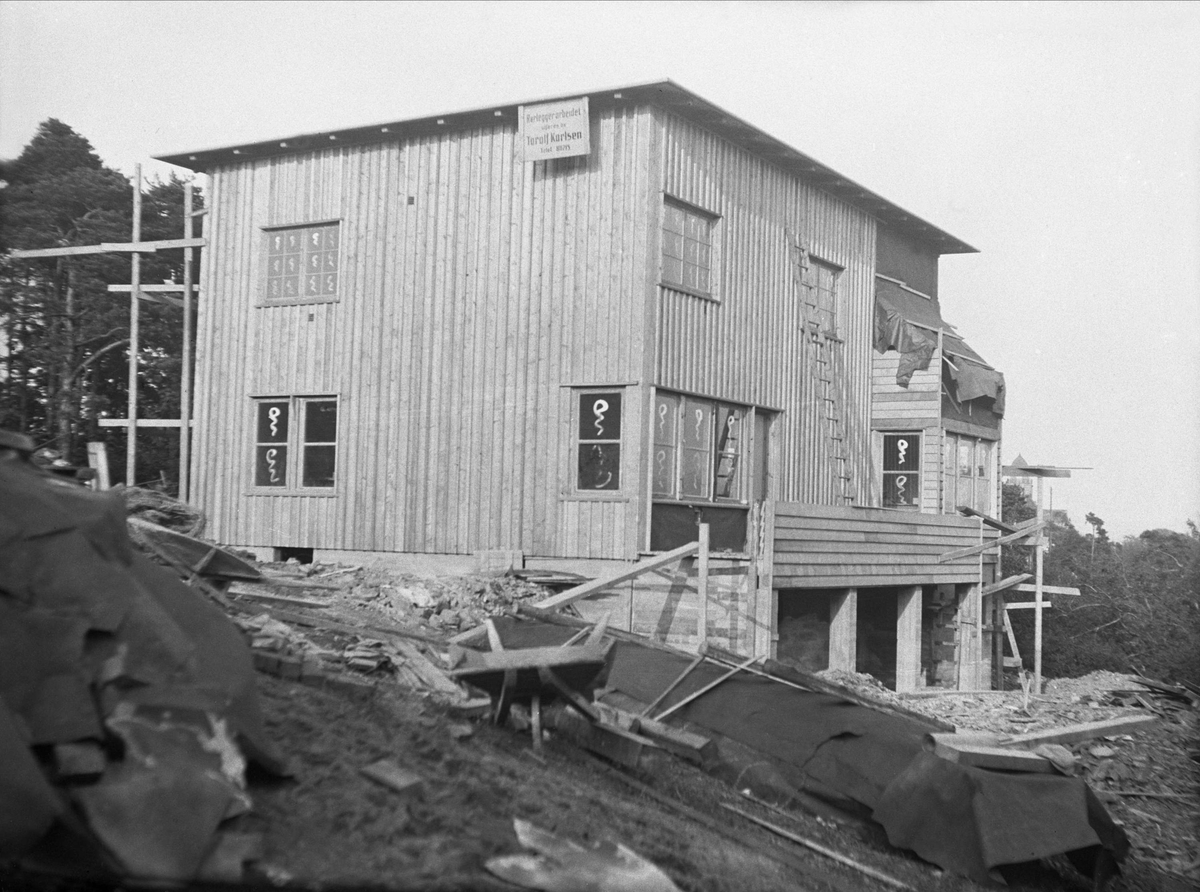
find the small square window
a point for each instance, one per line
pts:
(302, 263)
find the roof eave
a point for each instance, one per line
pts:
(664, 93)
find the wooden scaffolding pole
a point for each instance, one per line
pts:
(135, 280)
(185, 378)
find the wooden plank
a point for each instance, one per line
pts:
(820, 849)
(571, 595)
(430, 674)
(141, 422)
(1048, 589)
(990, 521)
(855, 515)
(1012, 640)
(110, 248)
(167, 288)
(847, 577)
(697, 660)
(1003, 540)
(1026, 605)
(704, 690)
(1006, 583)
(531, 658)
(702, 582)
(995, 757)
(1084, 731)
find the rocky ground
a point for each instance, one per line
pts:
(331, 825)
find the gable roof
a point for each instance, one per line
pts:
(665, 94)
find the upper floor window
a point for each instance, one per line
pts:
(287, 428)
(687, 249)
(699, 449)
(302, 263)
(821, 285)
(967, 473)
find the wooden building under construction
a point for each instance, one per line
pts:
(564, 333)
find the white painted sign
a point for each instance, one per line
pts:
(555, 130)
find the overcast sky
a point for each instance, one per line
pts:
(1060, 139)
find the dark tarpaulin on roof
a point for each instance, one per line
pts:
(907, 323)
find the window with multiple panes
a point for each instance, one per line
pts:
(967, 474)
(902, 470)
(821, 285)
(699, 447)
(302, 262)
(598, 442)
(687, 249)
(295, 444)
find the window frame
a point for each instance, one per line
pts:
(953, 478)
(712, 224)
(814, 291)
(742, 456)
(885, 473)
(265, 298)
(621, 490)
(295, 444)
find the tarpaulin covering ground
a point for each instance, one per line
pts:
(967, 820)
(127, 700)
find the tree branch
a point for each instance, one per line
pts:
(75, 373)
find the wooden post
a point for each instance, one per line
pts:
(1037, 599)
(97, 454)
(970, 619)
(702, 583)
(998, 641)
(908, 638)
(766, 617)
(843, 630)
(185, 378)
(135, 280)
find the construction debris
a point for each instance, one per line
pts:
(126, 699)
(564, 866)
(363, 640)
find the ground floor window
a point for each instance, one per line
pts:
(598, 441)
(708, 462)
(295, 444)
(968, 475)
(699, 449)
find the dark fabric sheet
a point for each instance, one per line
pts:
(967, 820)
(89, 628)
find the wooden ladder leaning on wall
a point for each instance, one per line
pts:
(821, 350)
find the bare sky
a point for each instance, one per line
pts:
(1061, 139)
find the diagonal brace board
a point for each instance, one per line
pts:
(1003, 540)
(579, 592)
(1006, 583)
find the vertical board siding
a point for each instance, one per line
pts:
(747, 345)
(460, 318)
